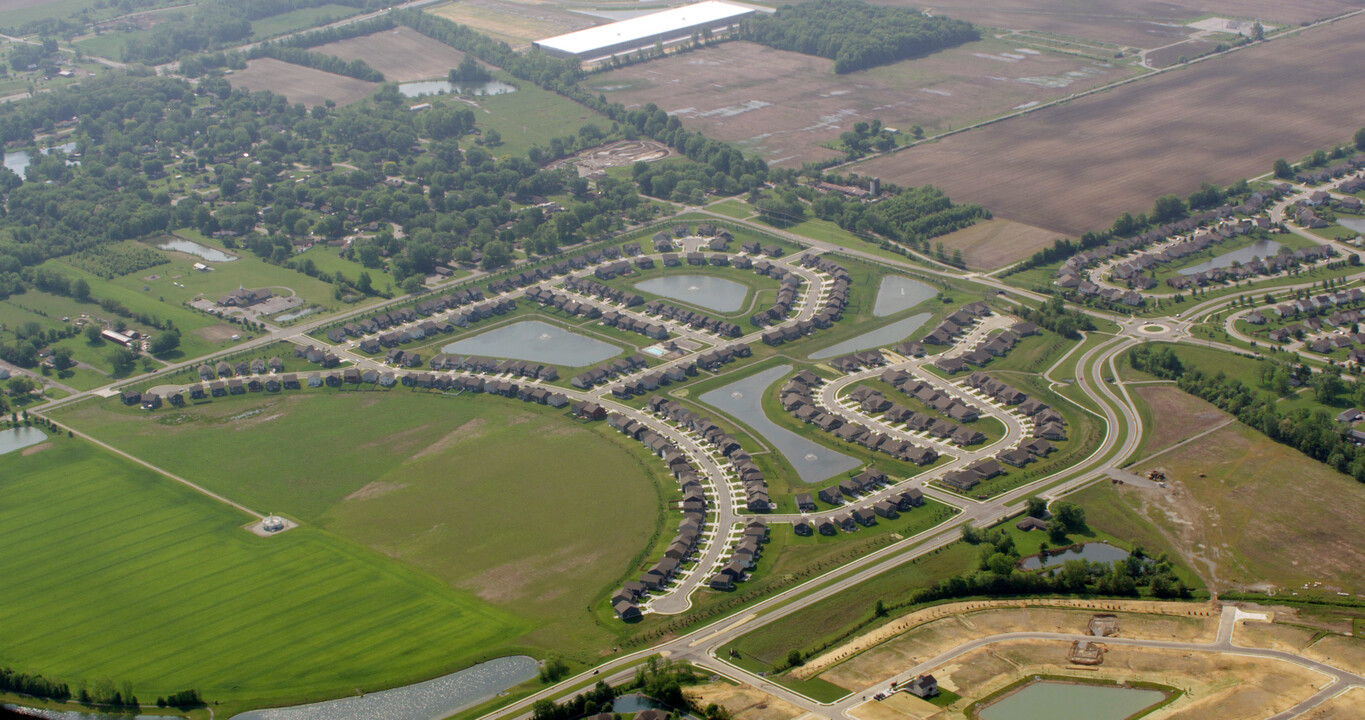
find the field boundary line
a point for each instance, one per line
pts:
(197, 488)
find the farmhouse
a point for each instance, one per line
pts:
(636, 33)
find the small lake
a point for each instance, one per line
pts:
(897, 293)
(885, 335)
(538, 342)
(431, 699)
(1071, 701)
(1258, 249)
(743, 400)
(445, 87)
(75, 714)
(712, 293)
(1356, 224)
(190, 247)
(19, 160)
(1089, 552)
(20, 438)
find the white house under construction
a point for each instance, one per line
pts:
(637, 33)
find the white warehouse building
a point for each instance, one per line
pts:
(645, 31)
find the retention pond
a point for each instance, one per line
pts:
(437, 698)
(1258, 249)
(884, 335)
(535, 341)
(190, 247)
(744, 400)
(20, 438)
(1071, 701)
(712, 293)
(1089, 552)
(897, 293)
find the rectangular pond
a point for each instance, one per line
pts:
(20, 438)
(1089, 552)
(897, 293)
(190, 247)
(1258, 249)
(712, 293)
(1071, 701)
(884, 335)
(437, 698)
(744, 401)
(535, 341)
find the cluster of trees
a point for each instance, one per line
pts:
(998, 570)
(598, 699)
(470, 71)
(866, 137)
(1314, 432)
(110, 261)
(185, 699)
(856, 35)
(1055, 316)
(357, 68)
(34, 685)
(911, 216)
(216, 24)
(41, 54)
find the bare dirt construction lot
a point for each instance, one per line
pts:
(402, 54)
(1180, 416)
(1250, 513)
(517, 23)
(1185, 623)
(1349, 705)
(301, 84)
(1140, 23)
(1075, 167)
(744, 702)
(1341, 651)
(784, 105)
(996, 243)
(623, 153)
(1227, 687)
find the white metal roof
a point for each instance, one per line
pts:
(645, 26)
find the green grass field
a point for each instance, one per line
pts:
(515, 502)
(531, 116)
(129, 576)
(299, 20)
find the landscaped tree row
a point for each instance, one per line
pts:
(357, 68)
(909, 215)
(856, 35)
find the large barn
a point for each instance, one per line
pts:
(645, 31)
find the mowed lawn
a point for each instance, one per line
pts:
(116, 572)
(520, 504)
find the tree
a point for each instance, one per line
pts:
(21, 385)
(122, 360)
(80, 290)
(1168, 208)
(165, 342)
(1360, 139)
(1037, 507)
(794, 657)
(1283, 170)
(92, 334)
(61, 358)
(1070, 515)
(1056, 532)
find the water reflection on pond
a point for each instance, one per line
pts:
(1071, 701)
(1089, 552)
(443, 87)
(884, 335)
(1258, 249)
(743, 400)
(20, 438)
(712, 293)
(190, 247)
(423, 701)
(535, 341)
(897, 293)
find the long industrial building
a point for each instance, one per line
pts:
(645, 31)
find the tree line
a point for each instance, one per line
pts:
(1314, 432)
(856, 35)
